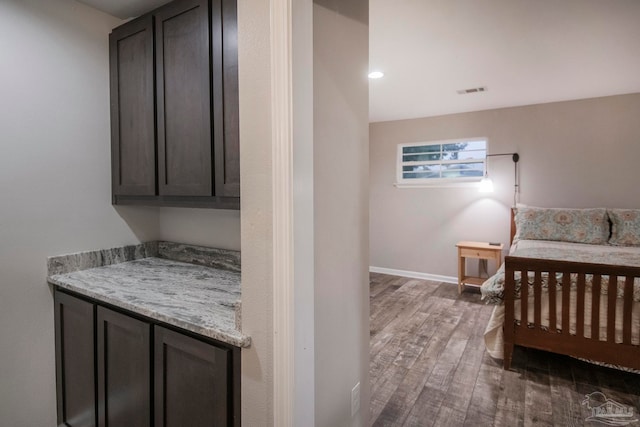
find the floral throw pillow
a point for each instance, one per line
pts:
(625, 227)
(565, 225)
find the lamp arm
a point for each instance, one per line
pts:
(514, 156)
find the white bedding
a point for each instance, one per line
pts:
(493, 335)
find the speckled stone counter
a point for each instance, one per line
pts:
(151, 279)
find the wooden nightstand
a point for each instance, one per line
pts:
(478, 250)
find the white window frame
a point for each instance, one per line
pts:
(439, 182)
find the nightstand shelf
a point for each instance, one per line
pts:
(478, 250)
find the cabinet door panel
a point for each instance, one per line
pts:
(124, 370)
(184, 99)
(75, 358)
(132, 109)
(224, 42)
(191, 382)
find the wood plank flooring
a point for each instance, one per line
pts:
(429, 366)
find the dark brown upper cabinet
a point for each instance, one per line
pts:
(183, 91)
(132, 109)
(174, 106)
(227, 152)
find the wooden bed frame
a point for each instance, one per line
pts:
(562, 341)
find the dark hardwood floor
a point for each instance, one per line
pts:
(429, 366)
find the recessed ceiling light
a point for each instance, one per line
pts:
(376, 75)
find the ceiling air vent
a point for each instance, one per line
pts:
(472, 90)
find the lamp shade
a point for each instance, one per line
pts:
(486, 185)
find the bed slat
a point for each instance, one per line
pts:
(524, 298)
(595, 307)
(553, 322)
(566, 292)
(537, 299)
(627, 310)
(580, 306)
(611, 308)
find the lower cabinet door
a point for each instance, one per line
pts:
(191, 382)
(124, 370)
(75, 379)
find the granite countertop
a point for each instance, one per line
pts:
(153, 279)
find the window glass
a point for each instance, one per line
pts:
(442, 161)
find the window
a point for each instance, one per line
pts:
(438, 162)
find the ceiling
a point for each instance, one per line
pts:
(523, 51)
(124, 9)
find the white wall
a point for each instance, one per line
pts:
(256, 206)
(572, 154)
(341, 204)
(55, 187)
(303, 214)
(217, 228)
(330, 208)
(54, 183)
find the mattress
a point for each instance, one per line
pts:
(493, 288)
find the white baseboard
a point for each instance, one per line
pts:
(414, 275)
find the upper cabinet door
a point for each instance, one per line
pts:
(224, 42)
(183, 93)
(132, 109)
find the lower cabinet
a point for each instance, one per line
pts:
(124, 370)
(115, 369)
(75, 361)
(191, 381)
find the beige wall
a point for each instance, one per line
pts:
(340, 162)
(573, 154)
(55, 185)
(256, 219)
